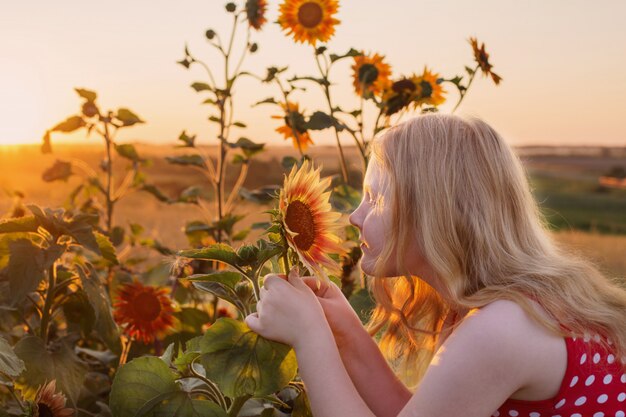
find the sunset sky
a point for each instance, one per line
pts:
(563, 64)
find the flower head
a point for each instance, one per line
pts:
(49, 403)
(294, 126)
(309, 223)
(309, 20)
(429, 90)
(482, 59)
(371, 74)
(145, 311)
(416, 89)
(255, 12)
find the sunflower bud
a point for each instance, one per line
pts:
(89, 109)
(254, 47)
(243, 290)
(210, 34)
(231, 7)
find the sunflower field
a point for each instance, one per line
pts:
(83, 334)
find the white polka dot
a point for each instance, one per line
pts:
(533, 414)
(602, 398)
(619, 414)
(621, 397)
(513, 413)
(574, 381)
(583, 358)
(599, 414)
(576, 415)
(609, 341)
(560, 403)
(590, 380)
(607, 379)
(581, 400)
(574, 338)
(586, 338)
(610, 359)
(596, 338)
(623, 378)
(596, 358)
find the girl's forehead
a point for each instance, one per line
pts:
(375, 178)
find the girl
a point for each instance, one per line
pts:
(482, 313)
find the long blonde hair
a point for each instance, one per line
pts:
(462, 193)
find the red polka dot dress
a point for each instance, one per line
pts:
(594, 386)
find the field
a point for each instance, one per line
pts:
(584, 216)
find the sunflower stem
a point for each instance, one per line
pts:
(126, 344)
(464, 92)
(47, 306)
(17, 399)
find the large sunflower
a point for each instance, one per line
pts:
(429, 90)
(309, 223)
(482, 59)
(49, 403)
(255, 12)
(371, 74)
(309, 20)
(294, 123)
(145, 311)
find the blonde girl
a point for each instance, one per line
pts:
(480, 312)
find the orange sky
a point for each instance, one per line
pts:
(563, 64)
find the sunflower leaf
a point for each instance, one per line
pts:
(351, 53)
(70, 124)
(228, 278)
(19, 224)
(195, 160)
(10, 364)
(217, 252)
(243, 363)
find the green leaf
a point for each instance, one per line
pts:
(128, 151)
(106, 248)
(198, 86)
(269, 100)
(320, 120)
(152, 189)
(78, 310)
(86, 94)
(43, 365)
(351, 53)
(138, 382)
(10, 364)
(25, 269)
(243, 363)
(61, 170)
(230, 279)
(216, 252)
(188, 141)
(239, 124)
(127, 117)
(195, 160)
(261, 195)
(19, 225)
(99, 300)
(248, 147)
(70, 124)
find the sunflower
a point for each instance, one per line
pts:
(429, 90)
(145, 311)
(309, 224)
(370, 72)
(49, 403)
(309, 20)
(255, 11)
(399, 94)
(482, 59)
(292, 114)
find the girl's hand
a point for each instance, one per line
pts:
(288, 310)
(339, 313)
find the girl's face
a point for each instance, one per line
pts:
(373, 219)
(373, 216)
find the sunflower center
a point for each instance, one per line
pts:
(368, 73)
(44, 410)
(146, 306)
(403, 85)
(299, 219)
(310, 14)
(427, 89)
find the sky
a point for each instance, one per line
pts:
(563, 64)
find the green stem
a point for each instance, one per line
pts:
(45, 317)
(107, 139)
(462, 93)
